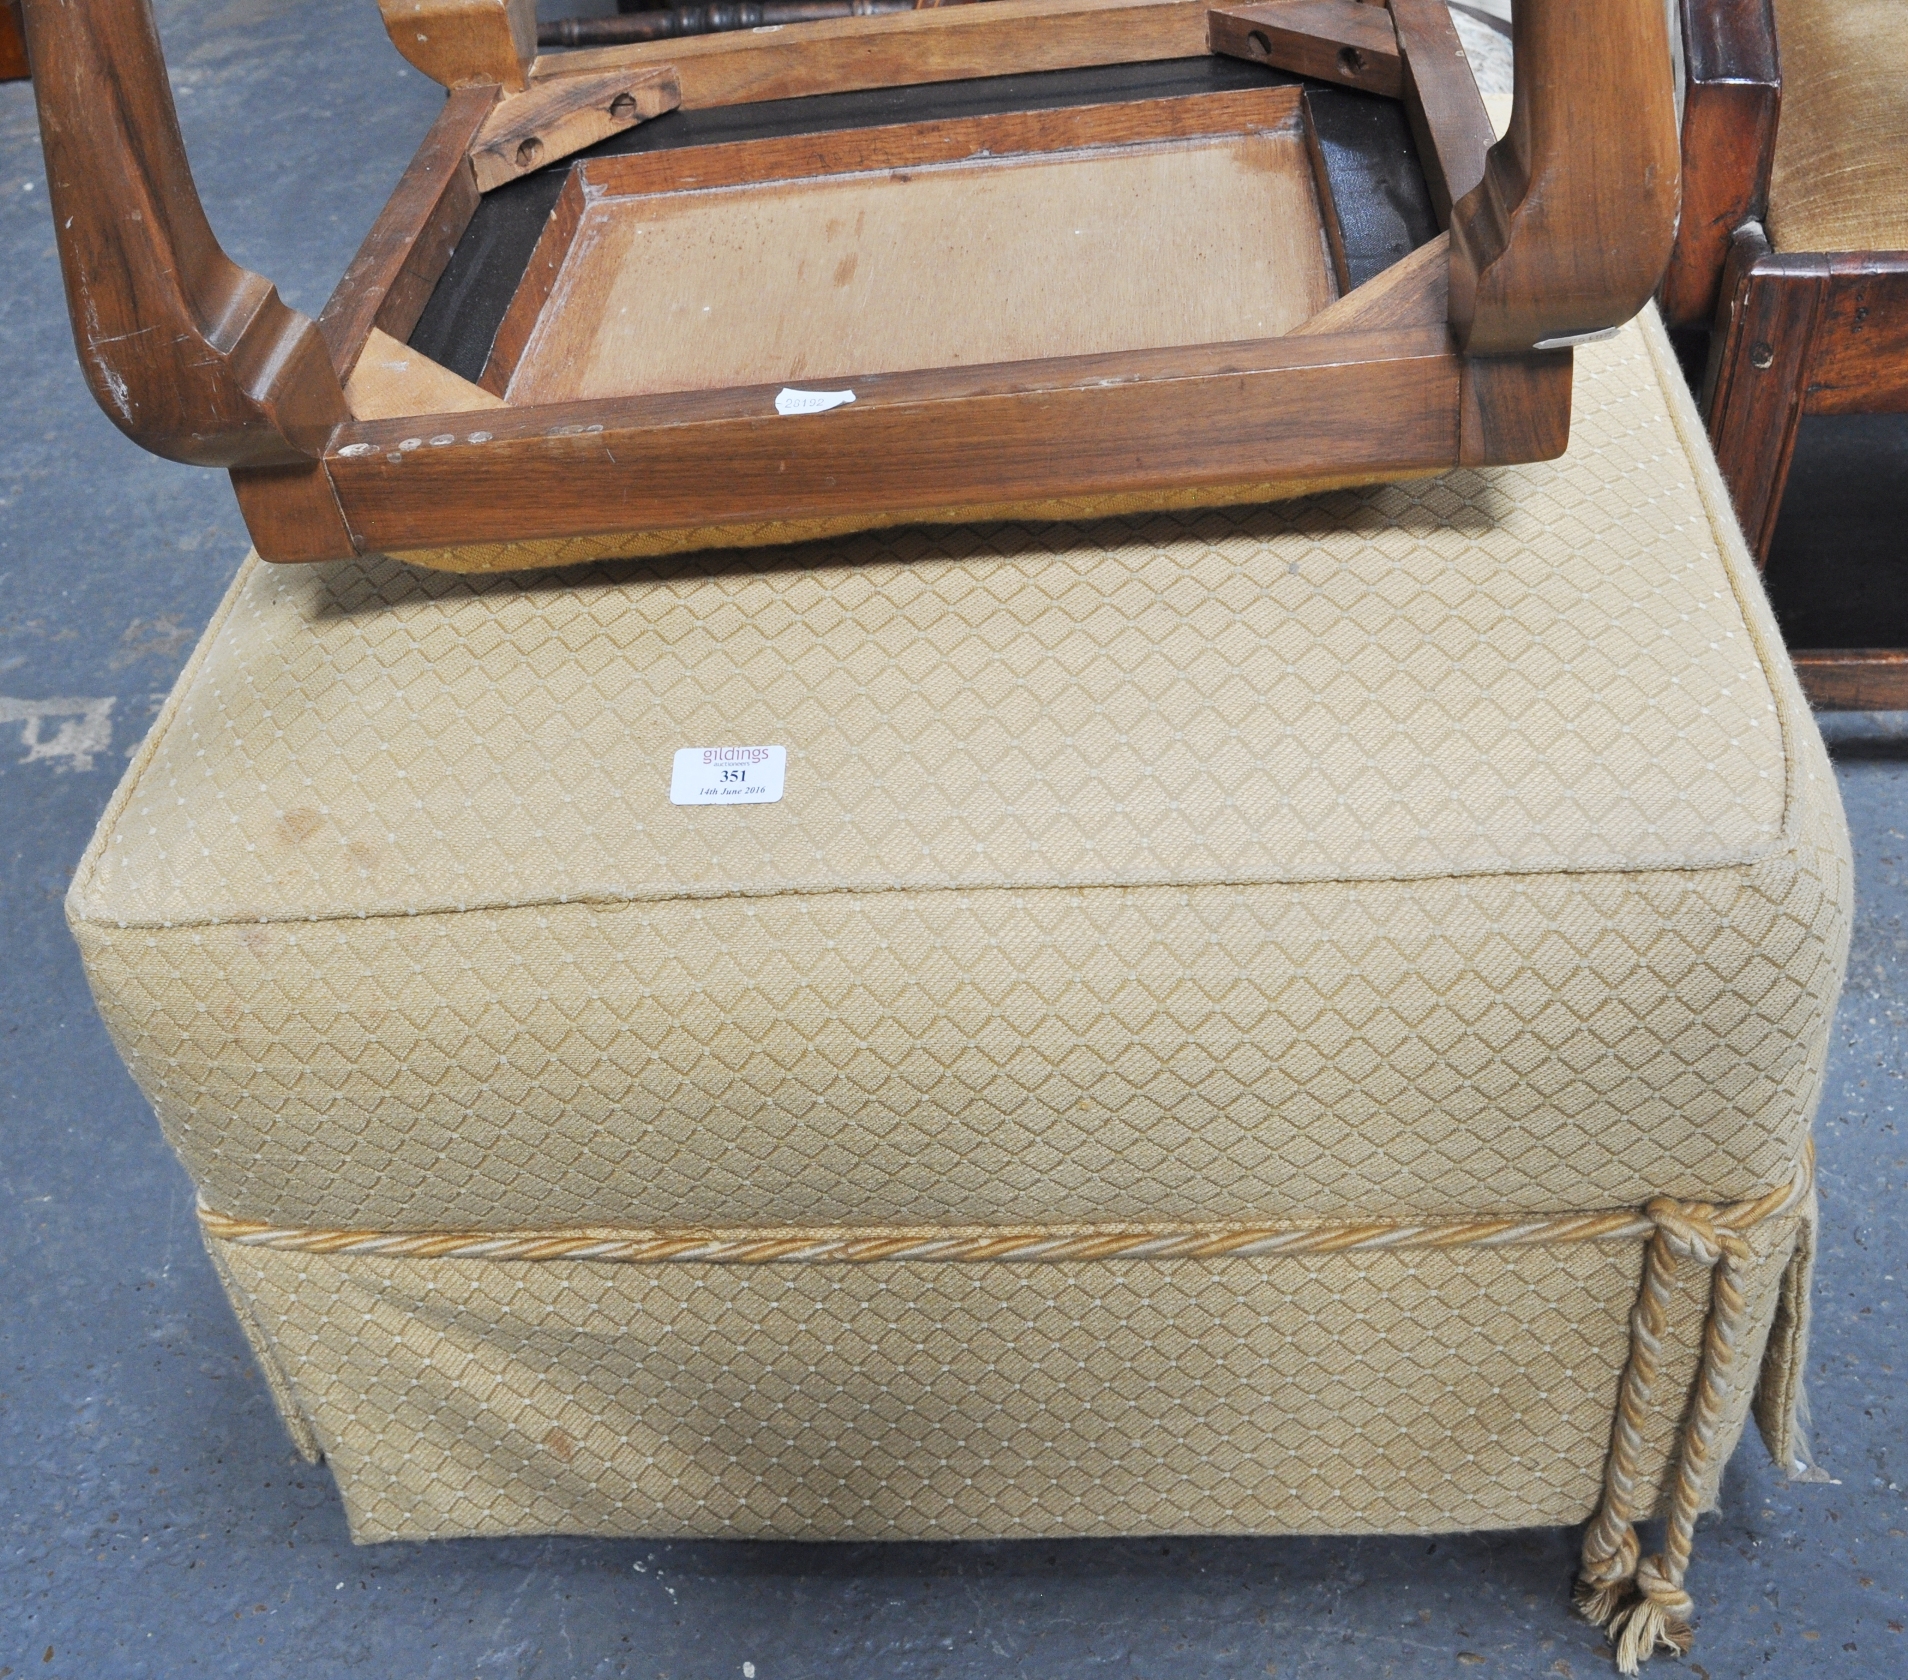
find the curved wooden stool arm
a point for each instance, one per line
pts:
(190, 355)
(1571, 228)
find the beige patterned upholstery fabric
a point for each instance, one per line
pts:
(1455, 848)
(1841, 158)
(1342, 1393)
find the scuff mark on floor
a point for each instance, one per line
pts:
(85, 728)
(163, 637)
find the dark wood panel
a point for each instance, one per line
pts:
(1854, 679)
(939, 44)
(1379, 403)
(1732, 96)
(1770, 307)
(1858, 362)
(391, 278)
(914, 145)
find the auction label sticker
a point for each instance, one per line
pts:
(727, 775)
(791, 401)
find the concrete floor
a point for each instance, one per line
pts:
(156, 1521)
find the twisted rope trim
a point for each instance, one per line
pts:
(970, 1245)
(1642, 1601)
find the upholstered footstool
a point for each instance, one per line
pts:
(1270, 1020)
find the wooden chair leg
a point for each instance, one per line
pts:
(1758, 375)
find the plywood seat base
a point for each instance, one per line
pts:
(1005, 239)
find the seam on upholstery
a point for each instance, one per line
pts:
(1738, 568)
(623, 900)
(1731, 554)
(252, 1324)
(86, 874)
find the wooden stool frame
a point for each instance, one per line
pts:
(1458, 355)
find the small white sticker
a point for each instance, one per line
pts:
(791, 401)
(727, 775)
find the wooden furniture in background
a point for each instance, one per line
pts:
(1794, 243)
(1003, 346)
(13, 55)
(665, 22)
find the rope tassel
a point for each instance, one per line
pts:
(1642, 1601)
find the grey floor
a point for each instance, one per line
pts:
(155, 1520)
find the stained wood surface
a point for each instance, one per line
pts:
(550, 120)
(1412, 293)
(392, 381)
(1332, 40)
(1570, 230)
(1858, 359)
(1732, 97)
(988, 240)
(1378, 404)
(1854, 679)
(390, 280)
(1448, 119)
(1514, 408)
(952, 140)
(938, 44)
(292, 513)
(465, 43)
(1759, 364)
(13, 53)
(190, 355)
(534, 291)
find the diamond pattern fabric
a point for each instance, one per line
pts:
(1338, 1393)
(1459, 846)
(1438, 850)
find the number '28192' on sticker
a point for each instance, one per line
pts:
(727, 775)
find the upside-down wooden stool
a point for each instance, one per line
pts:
(1284, 1019)
(839, 325)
